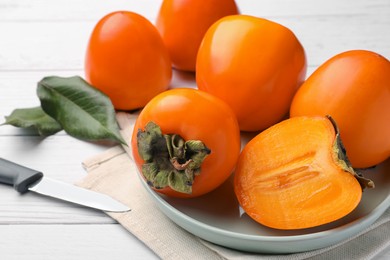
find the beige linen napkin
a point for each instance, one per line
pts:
(113, 172)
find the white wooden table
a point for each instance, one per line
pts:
(42, 37)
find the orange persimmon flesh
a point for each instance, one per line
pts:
(290, 176)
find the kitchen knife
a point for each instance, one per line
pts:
(24, 179)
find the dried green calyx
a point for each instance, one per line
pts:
(344, 161)
(170, 161)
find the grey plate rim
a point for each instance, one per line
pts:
(267, 244)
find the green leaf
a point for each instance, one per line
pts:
(83, 111)
(34, 118)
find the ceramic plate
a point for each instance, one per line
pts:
(217, 217)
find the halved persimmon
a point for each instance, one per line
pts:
(295, 175)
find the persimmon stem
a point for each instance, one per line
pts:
(180, 166)
(343, 160)
(170, 161)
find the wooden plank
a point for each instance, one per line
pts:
(326, 36)
(58, 156)
(31, 208)
(43, 46)
(21, 90)
(26, 11)
(41, 10)
(266, 8)
(69, 242)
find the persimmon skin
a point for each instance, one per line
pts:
(288, 177)
(354, 88)
(183, 23)
(127, 60)
(254, 65)
(195, 115)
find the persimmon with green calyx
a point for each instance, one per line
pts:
(169, 159)
(296, 175)
(186, 142)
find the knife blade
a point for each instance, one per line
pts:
(24, 179)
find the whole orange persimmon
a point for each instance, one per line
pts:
(183, 23)
(354, 88)
(186, 142)
(127, 60)
(254, 65)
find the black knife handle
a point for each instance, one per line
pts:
(17, 175)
